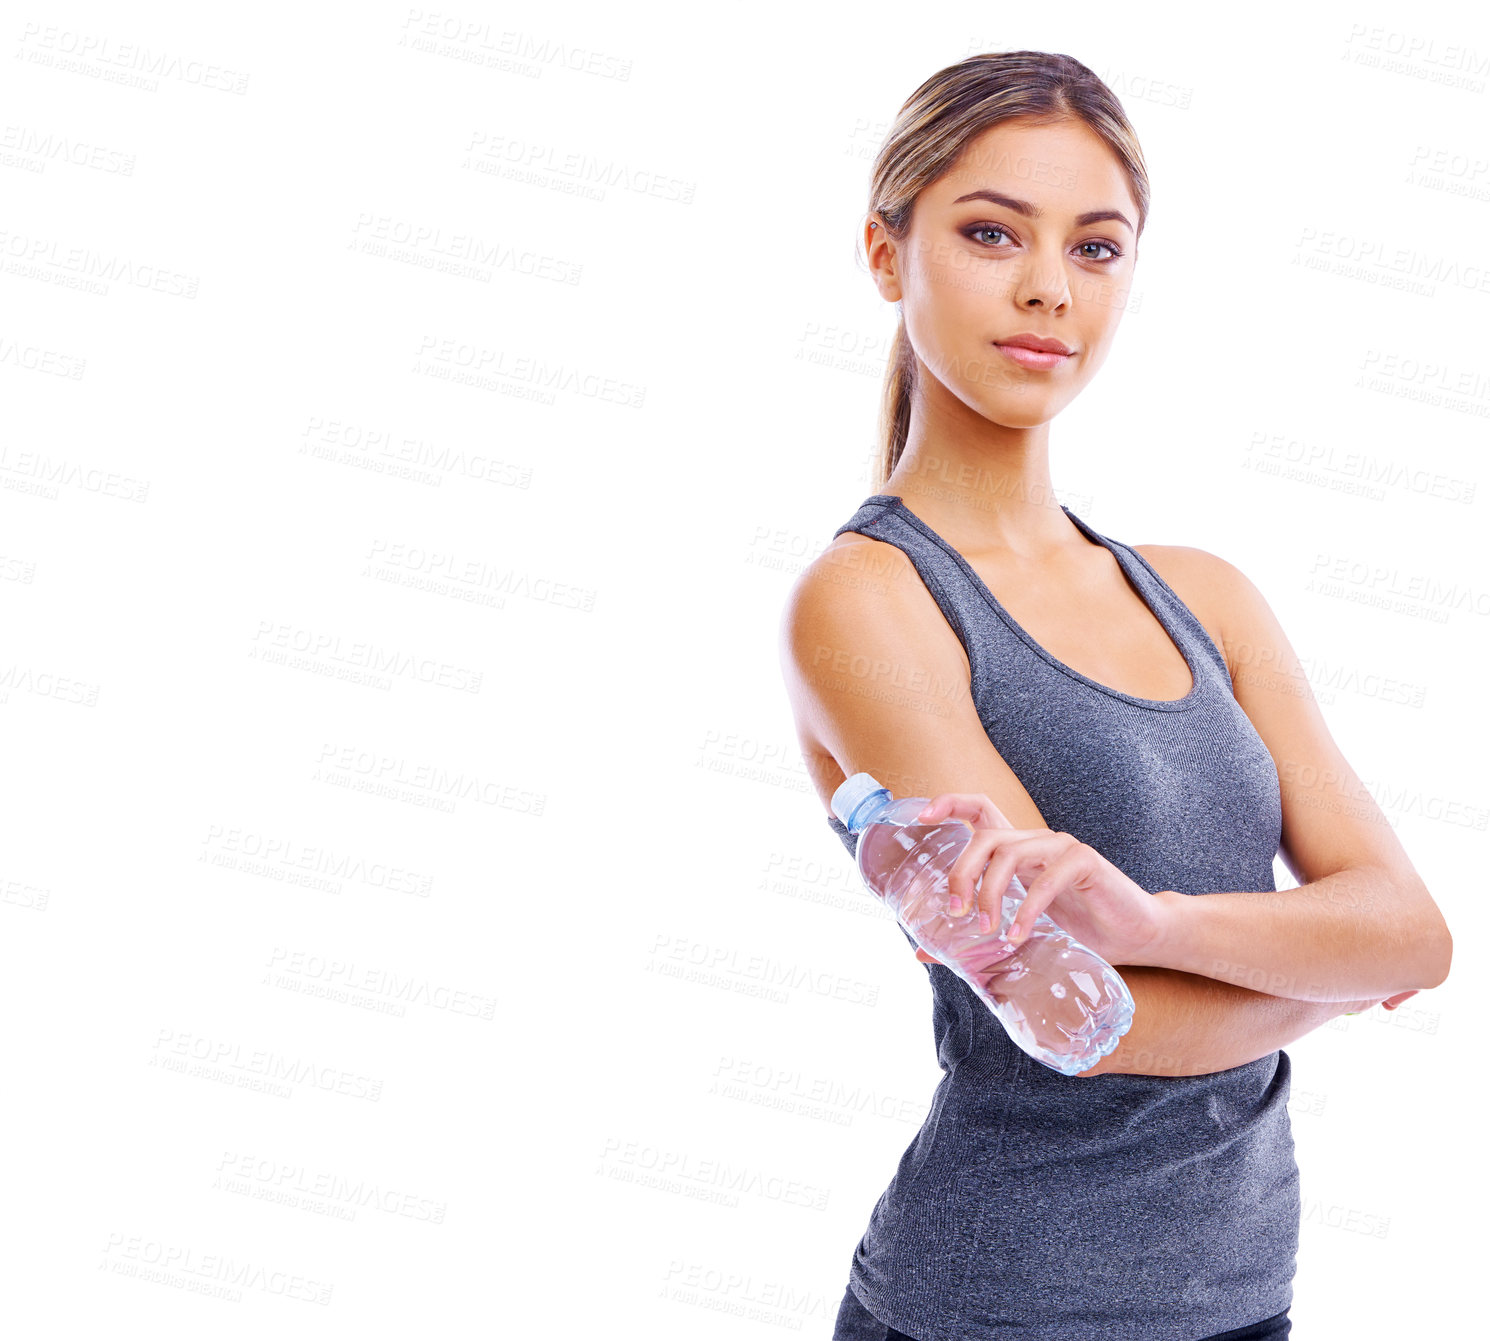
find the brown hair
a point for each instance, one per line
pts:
(936, 124)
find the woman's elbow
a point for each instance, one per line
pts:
(1436, 935)
(1444, 958)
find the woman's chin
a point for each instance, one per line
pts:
(1025, 414)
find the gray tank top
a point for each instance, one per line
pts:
(1091, 1208)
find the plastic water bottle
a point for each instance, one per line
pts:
(1059, 1002)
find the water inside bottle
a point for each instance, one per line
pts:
(1045, 989)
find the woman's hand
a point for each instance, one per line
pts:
(1075, 885)
(1391, 1003)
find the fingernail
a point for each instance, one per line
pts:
(956, 906)
(985, 923)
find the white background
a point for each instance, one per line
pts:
(351, 354)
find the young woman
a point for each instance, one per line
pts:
(1125, 728)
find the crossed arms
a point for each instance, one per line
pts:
(1360, 927)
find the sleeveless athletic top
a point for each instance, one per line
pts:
(1109, 1207)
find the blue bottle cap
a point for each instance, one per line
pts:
(853, 792)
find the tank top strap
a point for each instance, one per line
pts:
(1183, 625)
(989, 634)
(942, 569)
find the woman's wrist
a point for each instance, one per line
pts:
(1168, 948)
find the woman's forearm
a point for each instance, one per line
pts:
(1188, 1025)
(1344, 936)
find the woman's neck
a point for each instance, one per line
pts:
(992, 495)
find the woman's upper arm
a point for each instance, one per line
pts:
(1330, 821)
(878, 683)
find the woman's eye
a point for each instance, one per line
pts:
(981, 233)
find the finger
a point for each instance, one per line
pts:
(1059, 874)
(934, 809)
(948, 805)
(974, 807)
(951, 805)
(1003, 854)
(962, 879)
(986, 815)
(926, 958)
(994, 857)
(994, 883)
(1015, 854)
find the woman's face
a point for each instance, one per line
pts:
(1032, 232)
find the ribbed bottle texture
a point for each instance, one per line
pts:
(1061, 1003)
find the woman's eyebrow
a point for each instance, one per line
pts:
(1024, 207)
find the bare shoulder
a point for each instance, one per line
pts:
(1205, 574)
(864, 649)
(1218, 593)
(864, 595)
(851, 553)
(858, 580)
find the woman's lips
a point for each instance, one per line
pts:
(1032, 358)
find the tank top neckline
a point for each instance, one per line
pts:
(1125, 562)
